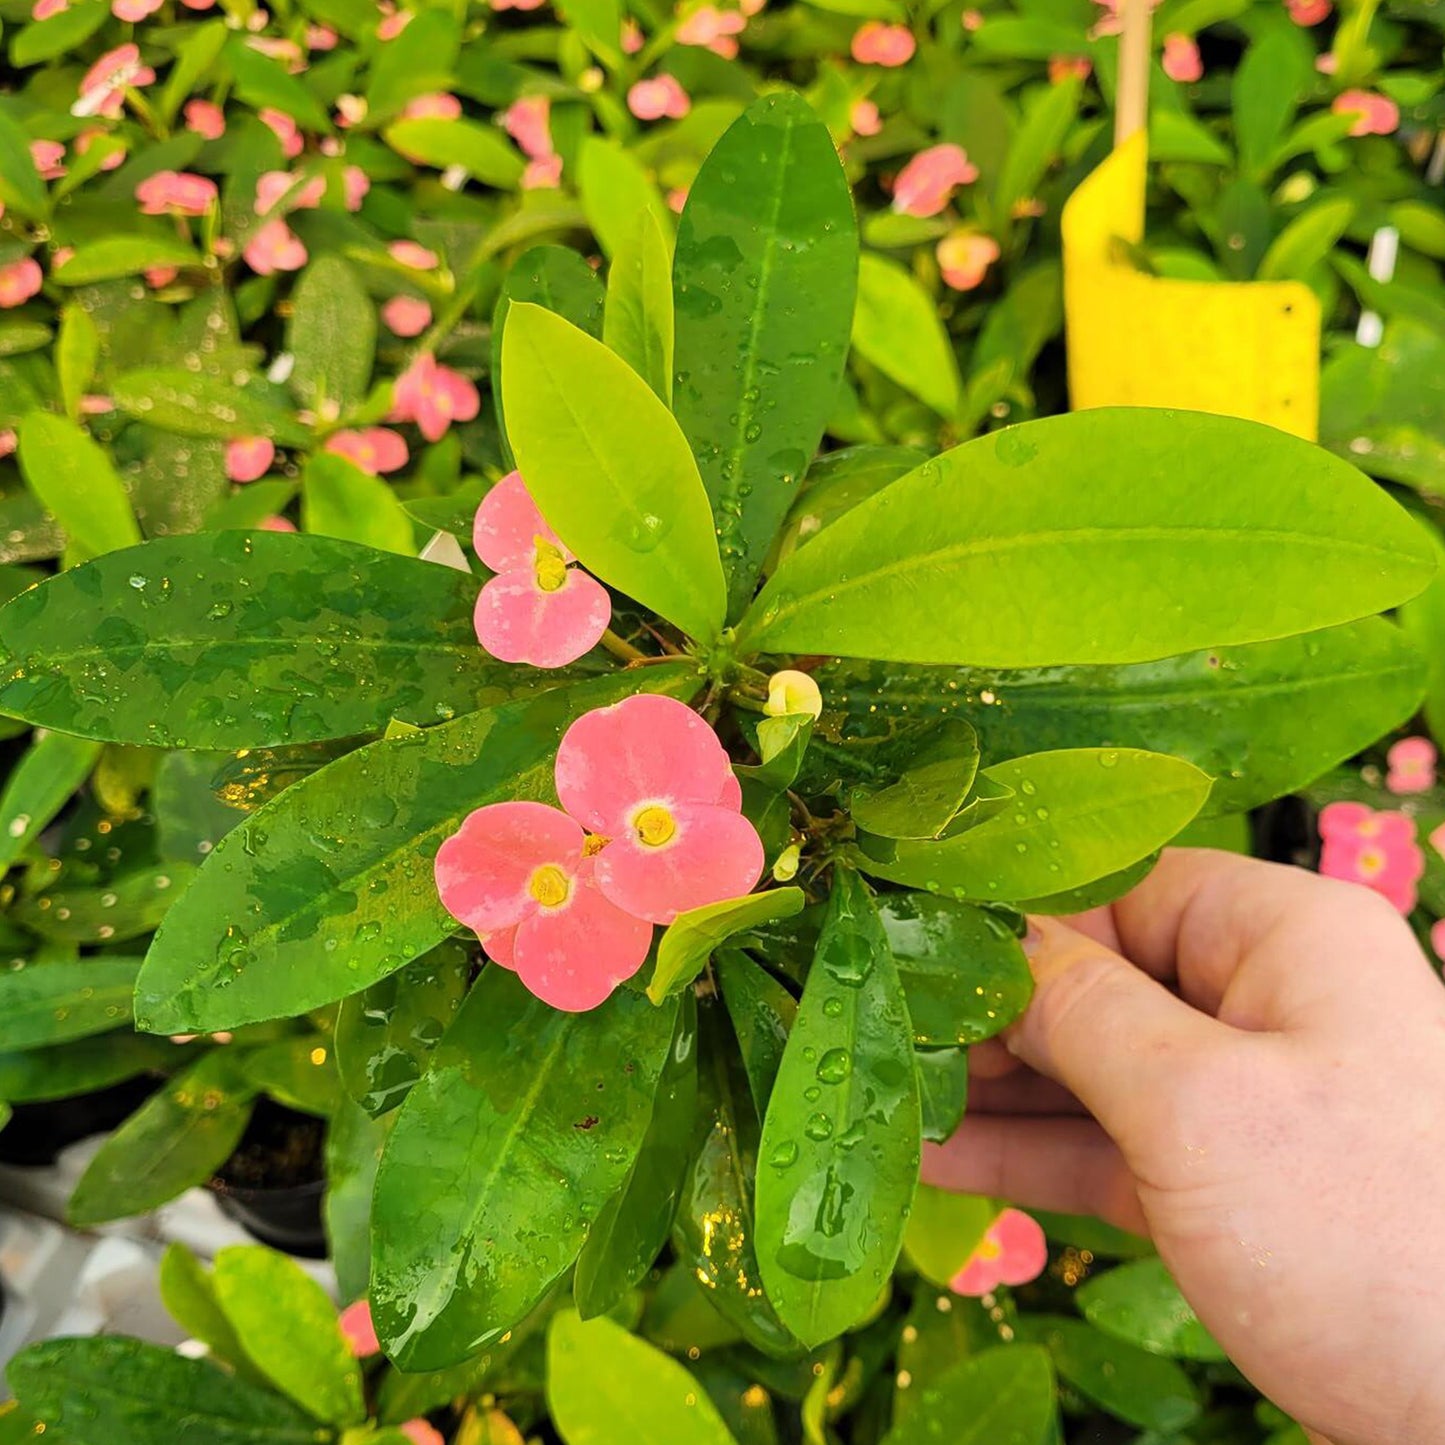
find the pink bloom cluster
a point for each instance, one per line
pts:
(1377, 849)
(529, 122)
(926, 184)
(433, 396)
(1013, 1251)
(652, 827)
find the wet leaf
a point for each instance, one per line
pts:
(340, 500)
(638, 322)
(897, 329)
(54, 1003)
(74, 480)
(1140, 1304)
(114, 256)
(201, 405)
(932, 789)
(942, 1090)
(332, 335)
(762, 1012)
(38, 787)
(688, 941)
(354, 1145)
(131, 905)
(1001, 1397)
(61, 1070)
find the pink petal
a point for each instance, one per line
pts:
(517, 621)
(484, 868)
(1025, 1251)
(714, 854)
(406, 315)
(875, 43)
(422, 1432)
(529, 122)
(926, 183)
(501, 946)
(1181, 59)
(249, 457)
(1339, 820)
(977, 1278)
(731, 793)
(359, 1331)
(643, 749)
(507, 526)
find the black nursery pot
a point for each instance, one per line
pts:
(272, 1186)
(37, 1133)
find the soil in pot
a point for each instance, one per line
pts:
(38, 1132)
(272, 1185)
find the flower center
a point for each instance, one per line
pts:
(550, 565)
(1372, 862)
(549, 885)
(655, 825)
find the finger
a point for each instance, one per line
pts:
(1068, 1165)
(991, 1060)
(1024, 1092)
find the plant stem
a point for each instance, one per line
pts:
(625, 650)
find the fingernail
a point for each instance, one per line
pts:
(1032, 941)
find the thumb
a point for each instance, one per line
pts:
(1116, 1038)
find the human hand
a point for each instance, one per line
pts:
(1247, 1063)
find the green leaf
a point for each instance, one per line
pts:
(62, 1070)
(329, 886)
(203, 405)
(195, 54)
(690, 938)
(963, 972)
(77, 349)
(416, 62)
(1423, 621)
(638, 324)
(942, 1090)
(838, 1172)
(1046, 124)
(38, 787)
(762, 1013)
(58, 34)
(524, 1126)
(129, 906)
(607, 1387)
(615, 190)
(53, 1003)
(923, 802)
(1268, 84)
(332, 335)
(479, 150)
(288, 1327)
(1078, 815)
(1140, 1304)
(598, 23)
(1307, 240)
(354, 1145)
(108, 1390)
(944, 1229)
(264, 83)
(340, 500)
(175, 1141)
(297, 1072)
(21, 188)
(189, 1293)
(1001, 1397)
(75, 481)
(765, 278)
(1123, 531)
(896, 328)
(241, 640)
(610, 470)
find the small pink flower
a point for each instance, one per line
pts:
(88, 138)
(1308, 12)
(437, 106)
(518, 4)
(422, 1432)
(1013, 1251)
(433, 396)
(632, 39)
(285, 129)
(864, 118)
(1181, 59)
(288, 52)
(522, 876)
(1067, 67)
(176, 193)
(542, 175)
(661, 96)
(249, 457)
(19, 281)
(8, 442)
(275, 247)
(411, 253)
(102, 90)
(529, 122)
(964, 258)
(350, 110)
(205, 118)
(278, 524)
(321, 37)
(159, 277)
(406, 315)
(274, 187)
(44, 9)
(47, 157)
(1437, 938)
(1411, 764)
(1326, 63)
(1374, 114)
(60, 255)
(926, 183)
(714, 29)
(537, 609)
(1377, 849)
(875, 43)
(355, 184)
(358, 1330)
(677, 199)
(374, 450)
(650, 775)
(971, 20)
(393, 23)
(199, 5)
(95, 404)
(134, 10)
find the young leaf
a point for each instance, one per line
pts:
(38, 787)
(1120, 529)
(53, 1003)
(765, 276)
(1307, 240)
(1140, 1304)
(278, 923)
(524, 1126)
(610, 470)
(1268, 84)
(942, 1090)
(638, 324)
(340, 500)
(923, 802)
(189, 1293)
(1050, 115)
(615, 190)
(75, 481)
(332, 335)
(20, 185)
(762, 1012)
(840, 1146)
(1001, 1397)
(897, 329)
(692, 936)
(478, 149)
(77, 349)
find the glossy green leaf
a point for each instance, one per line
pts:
(288, 1327)
(188, 1292)
(1307, 240)
(923, 802)
(62, 1070)
(638, 323)
(53, 1003)
(615, 190)
(478, 149)
(610, 470)
(942, 1090)
(77, 349)
(340, 500)
(836, 483)
(1077, 815)
(896, 328)
(1423, 620)
(1046, 124)
(1140, 1304)
(762, 1013)
(131, 905)
(607, 1387)
(21, 188)
(354, 1146)
(765, 278)
(241, 639)
(329, 887)
(108, 1390)
(525, 1125)
(963, 972)
(1122, 531)
(332, 335)
(38, 787)
(176, 1140)
(689, 940)
(840, 1145)
(203, 405)
(1001, 1397)
(75, 482)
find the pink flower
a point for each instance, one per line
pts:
(249, 457)
(522, 876)
(632, 39)
(925, 184)
(875, 43)
(285, 129)
(102, 90)
(272, 187)
(529, 122)
(650, 776)
(176, 193)
(8, 442)
(518, 4)
(964, 259)
(410, 253)
(406, 315)
(433, 396)
(677, 199)
(1013, 1251)
(1374, 114)
(199, 5)
(1375, 849)
(358, 1330)
(1308, 12)
(713, 28)
(1181, 59)
(374, 450)
(864, 118)
(355, 184)
(542, 175)
(437, 106)
(44, 9)
(1411, 764)
(321, 37)
(19, 281)
(278, 524)
(88, 138)
(134, 10)
(1065, 67)
(661, 96)
(205, 118)
(158, 277)
(421, 1432)
(393, 23)
(1326, 63)
(537, 609)
(971, 20)
(275, 247)
(47, 156)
